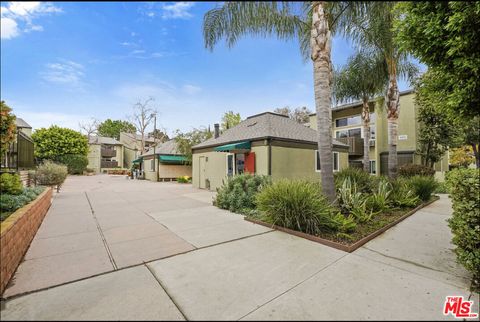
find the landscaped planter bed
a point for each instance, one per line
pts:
(363, 233)
(17, 232)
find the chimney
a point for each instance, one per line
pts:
(217, 130)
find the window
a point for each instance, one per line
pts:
(347, 121)
(372, 132)
(335, 161)
(373, 167)
(152, 165)
(355, 132)
(230, 164)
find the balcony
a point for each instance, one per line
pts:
(355, 145)
(109, 164)
(108, 153)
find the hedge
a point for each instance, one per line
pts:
(464, 185)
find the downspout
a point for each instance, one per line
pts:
(269, 157)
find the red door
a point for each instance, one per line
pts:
(250, 162)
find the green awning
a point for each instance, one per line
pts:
(173, 159)
(245, 145)
(139, 160)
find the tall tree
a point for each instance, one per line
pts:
(312, 23)
(375, 30)
(90, 128)
(362, 78)
(143, 116)
(160, 135)
(186, 140)
(112, 128)
(444, 35)
(229, 120)
(7, 127)
(299, 114)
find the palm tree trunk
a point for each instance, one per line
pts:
(366, 135)
(393, 109)
(320, 42)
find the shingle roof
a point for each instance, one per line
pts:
(266, 125)
(168, 147)
(103, 140)
(21, 123)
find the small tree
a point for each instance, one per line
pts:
(112, 128)
(90, 128)
(142, 117)
(363, 77)
(56, 141)
(185, 141)
(230, 120)
(437, 131)
(462, 156)
(160, 135)
(7, 127)
(299, 114)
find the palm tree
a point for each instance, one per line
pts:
(362, 78)
(312, 24)
(375, 30)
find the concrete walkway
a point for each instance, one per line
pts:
(112, 248)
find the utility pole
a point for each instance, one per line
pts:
(154, 147)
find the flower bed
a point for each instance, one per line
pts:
(17, 232)
(362, 234)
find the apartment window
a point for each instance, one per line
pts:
(347, 121)
(230, 164)
(335, 161)
(152, 165)
(373, 167)
(356, 132)
(372, 133)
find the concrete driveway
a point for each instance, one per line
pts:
(112, 248)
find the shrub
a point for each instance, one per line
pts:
(402, 196)
(360, 178)
(10, 203)
(422, 186)
(76, 163)
(441, 188)
(378, 200)
(184, 179)
(351, 201)
(410, 170)
(300, 205)
(237, 193)
(89, 170)
(51, 174)
(464, 185)
(10, 184)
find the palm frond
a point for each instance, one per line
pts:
(236, 19)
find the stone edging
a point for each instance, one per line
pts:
(17, 232)
(345, 248)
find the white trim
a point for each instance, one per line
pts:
(338, 161)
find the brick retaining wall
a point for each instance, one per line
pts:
(17, 232)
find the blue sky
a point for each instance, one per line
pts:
(64, 63)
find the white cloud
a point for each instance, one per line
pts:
(9, 28)
(177, 10)
(18, 16)
(65, 72)
(191, 89)
(46, 119)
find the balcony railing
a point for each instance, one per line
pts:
(355, 145)
(109, 164)
(108, 153)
